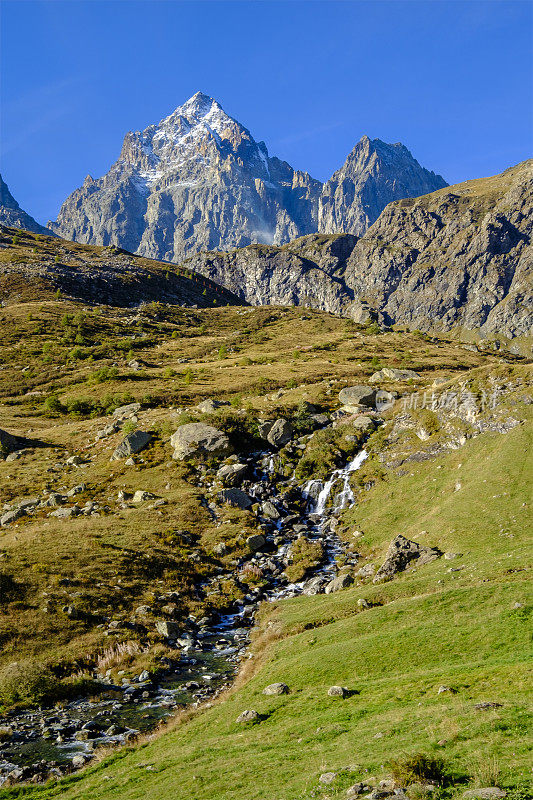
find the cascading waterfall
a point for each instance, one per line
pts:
(342, 498)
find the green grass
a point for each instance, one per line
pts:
(430, 627)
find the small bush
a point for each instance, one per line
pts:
(411, 769)
(53, 403)
(28, 683)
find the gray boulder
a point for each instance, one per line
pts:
(167, 628)
(276, 688)
(269, 510)
(256, 541)
(235, 497)
(132, 443)
(364, 423)
(385, 399)
(196, 439)
(280, 433)
(232, 474)
(401, 553)
(351, 397)
(127, 411)
(248, 716)
(338, 691)
(485, 793)
(11, 516)
(338, 583)
(210, 405)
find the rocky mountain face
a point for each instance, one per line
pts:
(199, 181)
(11, 213)
(461, 256)
(196, 181)
(374, 174)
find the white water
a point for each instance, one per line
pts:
(342, 498)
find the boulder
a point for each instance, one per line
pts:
(8, 443)
(352, 397)
(276, 688)
(269, 510)
(168, 628)
(385, 399)
(364, 423)
(11, 516)
(248, 716)
(388, 373)
(256, 541)
(280, 433)
(232, 474)
(196, 439)
(401, 553)
(327, 777)
(235, 497)
(338, 583)
(132, 443)
(485, 793)
(210, 405)
(338, 691)
(140, 496)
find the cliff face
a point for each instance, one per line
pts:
(12, 214)
(199, 181)
(374, 174)
(461, 256)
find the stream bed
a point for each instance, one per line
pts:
(55, 741)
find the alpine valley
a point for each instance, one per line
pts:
(265, 470)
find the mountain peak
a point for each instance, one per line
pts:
(13, 215)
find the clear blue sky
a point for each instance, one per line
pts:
(451, 80)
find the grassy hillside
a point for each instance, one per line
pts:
(65, 367)
(429, 628)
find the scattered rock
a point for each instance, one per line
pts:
(400, 554)
(443, 689)
(486, 793)
(196, 440)
(486, 706)
(167, 628)
(11, 516)
(327, 777)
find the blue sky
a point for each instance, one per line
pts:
(451, 80)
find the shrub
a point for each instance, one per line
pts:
(53, 403)
(27, 682)
(411, 769)
(102, 375)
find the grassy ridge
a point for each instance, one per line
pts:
(431, 627)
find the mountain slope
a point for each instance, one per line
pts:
(374, 174)
(12, 214)
(460, 256)
(35, 266)
(199, 181)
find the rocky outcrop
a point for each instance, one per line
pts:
(198, 181)
(401, 554)
(374, 174)
(461, 256)
(11, 213)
